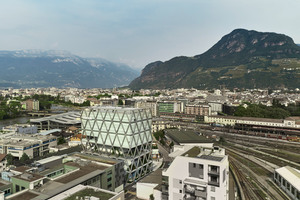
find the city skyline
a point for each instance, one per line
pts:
(138, 32)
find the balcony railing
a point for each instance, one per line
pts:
(214, 183)
(214, 172)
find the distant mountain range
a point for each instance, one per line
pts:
(241, 59)
(37, 68)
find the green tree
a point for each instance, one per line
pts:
(120, 103)
(61, 140)
(151, 197)
(24, 158)
(9, 159)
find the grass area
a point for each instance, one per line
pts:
(90, 192)
(193, 152)
(187, 137)
(267, 158)
(283, 154)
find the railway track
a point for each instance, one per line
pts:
(255, 189)
(248, 189)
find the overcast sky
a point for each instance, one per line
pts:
(137, 32)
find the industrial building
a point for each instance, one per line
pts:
(33, 145)
(288, 179)
(122, 133)
(60, 121)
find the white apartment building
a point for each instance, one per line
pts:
(198, 173)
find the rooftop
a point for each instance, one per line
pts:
(29, 177)
(290, 174)
(28, 195)
(83, 170)
(193, 152)
(24, 140)
(90, 192)
(213, 158)
(186, 137)
(64, 118)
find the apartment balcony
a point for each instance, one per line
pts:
(188, 190)
(164, 196)
(202, 194)
(188, 197)
(213, 183)
(214, 172)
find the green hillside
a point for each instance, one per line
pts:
(243, 59)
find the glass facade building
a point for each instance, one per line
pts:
(123, 133)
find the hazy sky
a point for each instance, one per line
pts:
(138, 32)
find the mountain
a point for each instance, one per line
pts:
(37, 68)
(242, 59)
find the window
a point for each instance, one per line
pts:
(194, 165)
(7, 191)
(180, 181)
(180, 191)
(200, 166)
(212, 189)
(17, 188)
(22, 188)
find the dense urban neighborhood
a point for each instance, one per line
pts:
(131, 144)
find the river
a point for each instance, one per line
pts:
(18, 120)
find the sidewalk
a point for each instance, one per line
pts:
(157, 164)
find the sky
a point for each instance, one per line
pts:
(138, 32)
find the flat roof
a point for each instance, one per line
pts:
(193, 152)
(28, 195)
(83, 170)
(291, 175)
(50, 131)
(91, 192)
(213, 158)
(24, 140)
(29, 177)
(154, 177)
(186, 136)
(52, 158)
(97, 158)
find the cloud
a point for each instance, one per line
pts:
(138, 31)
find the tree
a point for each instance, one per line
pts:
(9, 159)
(60, 140)
(151, 197)
(24, 158)
(120, 103)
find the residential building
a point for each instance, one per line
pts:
(123, 133)
(204, 174)
(32, 105)
(198, 109)
(50, 177)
